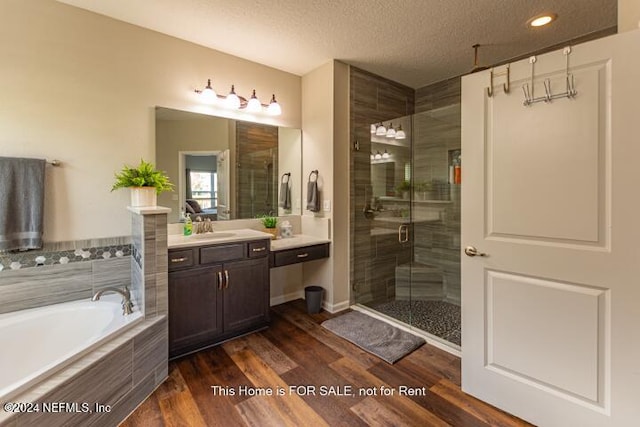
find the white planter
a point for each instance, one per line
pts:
(143, 196)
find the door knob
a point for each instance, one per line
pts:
(472, 251)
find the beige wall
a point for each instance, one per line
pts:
(628, 15)
(325, 100)
(82, 88)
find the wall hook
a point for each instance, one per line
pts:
(490, 88)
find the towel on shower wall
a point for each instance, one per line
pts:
(285, 192)
(21, 203)
(313, 193)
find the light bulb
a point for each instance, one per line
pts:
(381, 130)
(372, 156)
(254, 106)
(400, 133)
(378, 156)
(385, 155)
(274, 108)
(232, 101)
(373, 128)
(391, 132)
(207, 94)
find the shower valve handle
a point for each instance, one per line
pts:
(472, 251)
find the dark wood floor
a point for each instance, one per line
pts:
(297, 351)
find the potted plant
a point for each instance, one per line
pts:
(269, 223)
(145, 182)
(422, 188)
(403, 188)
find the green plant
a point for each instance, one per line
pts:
(269, 221)
(143, 175)
(404, 186)
(423, 186)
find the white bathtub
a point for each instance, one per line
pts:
(38, 342)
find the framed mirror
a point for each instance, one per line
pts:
(228, 169)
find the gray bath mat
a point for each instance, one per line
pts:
(375, 336)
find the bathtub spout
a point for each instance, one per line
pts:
(127, 305)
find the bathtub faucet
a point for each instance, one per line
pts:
(127, 305)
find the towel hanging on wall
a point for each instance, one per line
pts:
(21, 203)
(313, 193)
(285, 192)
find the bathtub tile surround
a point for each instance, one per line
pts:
(124, 371)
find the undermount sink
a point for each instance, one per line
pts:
(214, 235)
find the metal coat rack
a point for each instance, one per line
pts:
(529, 92)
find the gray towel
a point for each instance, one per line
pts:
(313, 198)
(21, 203)
(285, 192)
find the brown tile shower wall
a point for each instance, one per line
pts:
(373, 258)
(256, 170)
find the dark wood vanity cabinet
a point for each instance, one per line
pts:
(220, 293)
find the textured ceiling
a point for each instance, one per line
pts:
(414, 42)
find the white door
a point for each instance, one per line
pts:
(224, 208)
(551, 316)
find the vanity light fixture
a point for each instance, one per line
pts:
(208, 95)
(373, 128)
(541, 20)
(274, 108)
(386, 154)
(391, 132)
(234, 102)
(372, 156)
(378, 156)
(254, 105)
(381, 130)
(400, 133)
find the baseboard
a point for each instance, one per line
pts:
(334, 308)
(281, 299)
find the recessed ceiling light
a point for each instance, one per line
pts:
(541, 20)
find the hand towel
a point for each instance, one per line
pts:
(21, 203)
(313, 196)
(285, 192)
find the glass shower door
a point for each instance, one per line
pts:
(406, 234)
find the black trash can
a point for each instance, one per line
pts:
(313, 296)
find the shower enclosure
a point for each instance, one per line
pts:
(406, 225)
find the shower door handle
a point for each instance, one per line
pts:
(403, 233)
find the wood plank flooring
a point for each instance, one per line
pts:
(297, 351)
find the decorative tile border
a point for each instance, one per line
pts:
(22, 260)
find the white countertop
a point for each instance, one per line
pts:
(297, 241)
(227, 236)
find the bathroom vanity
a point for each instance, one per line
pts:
(218, 288)
(219, 283)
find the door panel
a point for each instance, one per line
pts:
(550, 316)
(547, 163)
(546, 357)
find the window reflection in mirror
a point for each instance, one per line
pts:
(227, 169)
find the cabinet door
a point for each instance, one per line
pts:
(195, 308)
(246, 294)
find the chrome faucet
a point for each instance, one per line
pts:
(127, 305)
(200, 226)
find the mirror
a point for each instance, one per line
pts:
(228, 169)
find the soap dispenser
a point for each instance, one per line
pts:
(188, 225)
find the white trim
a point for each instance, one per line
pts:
(334, 308)
(430, 339)
(281, 299)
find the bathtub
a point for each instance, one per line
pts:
(40, 341)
